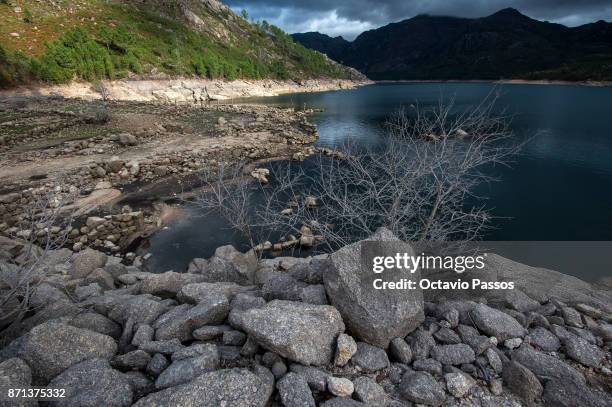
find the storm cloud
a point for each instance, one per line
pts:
(351, 17)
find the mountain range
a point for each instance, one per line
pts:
(504, 45)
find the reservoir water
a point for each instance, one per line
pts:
(559, 188)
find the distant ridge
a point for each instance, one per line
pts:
(505, 45)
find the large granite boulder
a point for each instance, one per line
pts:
(168, 283)
(228, 387)
(303, 333)
(53, 347)
(374, 316)
(15, 374)
(93, 383)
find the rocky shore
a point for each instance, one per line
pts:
(233, 330)
(184, 90)
(93, 158)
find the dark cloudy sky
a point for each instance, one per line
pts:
(350, 17)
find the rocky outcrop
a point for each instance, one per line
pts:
(183, 342)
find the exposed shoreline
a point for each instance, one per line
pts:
(598, 84)
(181, 90)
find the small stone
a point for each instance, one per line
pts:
(572, 317)
(543, 339)
(346, 347)
(421, 387)
(234, 338)
(294, 391)
(368, 391)
(513, 343)
(370, 358)
(494, 360)
(428, 365)
(279, 369)
(458, 384)
(339, 386)
(401, 351)
(522, 382)
(453, 354)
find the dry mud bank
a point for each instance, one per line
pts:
(53, 148)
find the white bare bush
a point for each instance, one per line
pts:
(43, 225)
(418, 184)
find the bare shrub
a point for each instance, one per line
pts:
(102, 90)
(417, 184)
(43, 226)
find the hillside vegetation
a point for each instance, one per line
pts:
(58, 41)
(504, 45)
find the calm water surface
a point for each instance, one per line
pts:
(559, 188)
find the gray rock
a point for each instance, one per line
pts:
(339, 386)
(494, 360)
(228, 387)
(93, 383)
(141, 309)
(571, 317)
(165, 347)
(157, 364)
(567, 393)
(458, 384)
(522, 382)
(513, 343)
(97, 323)
(141, 384)
(421, 387)
(167, 284)
(210, 332)
(370, 358)
(316, 378)
(310, 273)
(544, 366)
(447, 336)
(85, 262)
(314, 294)
(185, 370)
(102, 278)
(421, 343)
(369, 392)
(228, 264)
(453, 354)
(401, 351)
(479, 343)
(196, 292)
(279, 369)
(543, 339)
(496, 323)
(428, 365)
(515, 299)
(180, 323)
(234, 338)
(294, 391)
(197, 266)
(15, 374)
(53, 347)
(137, 359)
(346, 347)
(582, 351)
(374, 316)
(300, 332)
(45, 294)
(84, 292)
(144, 333)
(341, 402)
(245, 301)
(282, 286)
(195, 350)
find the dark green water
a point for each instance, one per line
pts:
(559, 188)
